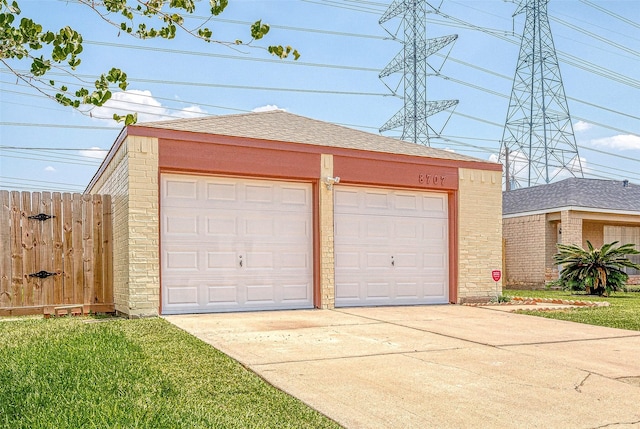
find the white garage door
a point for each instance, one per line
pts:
(232, 244)
(390, 247)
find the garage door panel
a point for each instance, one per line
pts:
(181, 261)
(377, 290)
(233, 244)
(181, 189)
(222, 294)
(347, 291)
(295, 261)
(222, 260)
(407, 290)
(181, 225)
(260, 293)
(221, 191)
(259, 193)
(258, 226)
(259, 261)
(346, 200)
(435, 230)
(295, 293)
(407, 230)
(377, 261)
(295, 197)
(408, 202)
(347, 260)
(434, 206)
(435, 290)
(391, 247)
(410, 261)
(377, 229)
(376, 200)
(224, 224)
(347, 229)
(434, 260)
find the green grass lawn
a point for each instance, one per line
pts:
(68, 373)
(624, 311)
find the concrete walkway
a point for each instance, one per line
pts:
(437, 366)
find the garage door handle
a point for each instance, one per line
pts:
(240, 261)
(393, 263)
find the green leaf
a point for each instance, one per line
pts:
(218, 6)
(259, 30)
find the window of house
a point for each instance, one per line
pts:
(624, 235)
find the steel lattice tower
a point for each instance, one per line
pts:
(412, 62)
(538, 133)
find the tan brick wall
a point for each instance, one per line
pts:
(327, 261)
(115, 182)
(594, 232)
(571, 228)
(526, 248)
(479, 233)
(551, 239)
(132, 179)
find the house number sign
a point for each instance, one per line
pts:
(431, 179)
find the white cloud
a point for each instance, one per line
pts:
(94, 152)
(268, 108)
(582, 126)
(620, 142)
(50, 169)
(142, 102)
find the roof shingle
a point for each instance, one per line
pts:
(573, 192)
(278, 125)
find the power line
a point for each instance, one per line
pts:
(610, 13)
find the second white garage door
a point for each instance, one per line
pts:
(232, 244)
(391, 247)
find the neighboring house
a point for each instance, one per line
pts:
(246, 212)
(571, 211)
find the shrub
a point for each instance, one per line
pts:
(596, 271)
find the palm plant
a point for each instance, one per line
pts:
(596, 271)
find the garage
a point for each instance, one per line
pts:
(235, 244)
(272, 210)
(391, 247)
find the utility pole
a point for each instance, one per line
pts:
(412, 63)
(538, 129)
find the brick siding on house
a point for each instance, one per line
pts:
(479, 233)
(131, 178)
(115, 182)
(327, 260)
(571, 228)
(525, 250)
(594, 232)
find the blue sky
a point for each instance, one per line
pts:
(44, 146)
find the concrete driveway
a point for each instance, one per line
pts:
(437, 366)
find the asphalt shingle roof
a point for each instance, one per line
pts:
(573, 192)
(282, 126)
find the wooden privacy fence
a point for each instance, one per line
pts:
(56, 253)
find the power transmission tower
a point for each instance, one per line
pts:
(538, 131)
(412, 62)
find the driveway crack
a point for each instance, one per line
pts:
(579, 386)
(608, 425)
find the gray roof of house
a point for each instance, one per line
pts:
(574, 192)
(281, 126)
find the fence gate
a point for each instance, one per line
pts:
(55, 253)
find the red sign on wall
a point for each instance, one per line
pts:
(496, 275)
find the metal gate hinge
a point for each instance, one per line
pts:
(42, 274)
(41, 217)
